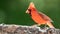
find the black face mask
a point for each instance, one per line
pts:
(29, 11)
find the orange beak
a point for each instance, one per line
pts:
(27, 11)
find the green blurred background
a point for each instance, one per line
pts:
(13, 11)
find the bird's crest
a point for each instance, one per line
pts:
(31, 5)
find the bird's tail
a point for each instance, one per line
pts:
(50, 25)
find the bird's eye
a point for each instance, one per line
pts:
(29, 9)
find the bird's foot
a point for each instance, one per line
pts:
(33, 26)
(45, 27)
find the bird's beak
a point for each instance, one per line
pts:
(27, 11)
(30, 6)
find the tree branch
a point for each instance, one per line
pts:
(20, 29)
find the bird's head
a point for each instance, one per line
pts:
(30, 8)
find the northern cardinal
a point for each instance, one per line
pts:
(39, 17)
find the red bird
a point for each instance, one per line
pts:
(39, 17)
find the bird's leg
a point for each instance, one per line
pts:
(45, 26)
(35, 25)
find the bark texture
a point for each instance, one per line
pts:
(20, 29)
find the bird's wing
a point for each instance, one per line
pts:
(45, 17)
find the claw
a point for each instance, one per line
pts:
(36, 25)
